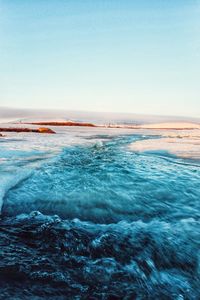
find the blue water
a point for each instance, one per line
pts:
(99, 221)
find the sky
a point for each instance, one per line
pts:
(136, 56)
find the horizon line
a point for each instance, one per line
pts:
(100, 112)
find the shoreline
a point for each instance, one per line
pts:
(155, 126)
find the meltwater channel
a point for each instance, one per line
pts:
(98, 221)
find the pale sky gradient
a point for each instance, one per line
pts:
(139, 56)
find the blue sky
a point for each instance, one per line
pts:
(126, 56)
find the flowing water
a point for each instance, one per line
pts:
(83, 217)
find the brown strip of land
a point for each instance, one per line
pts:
(38, 130)
(68, 123)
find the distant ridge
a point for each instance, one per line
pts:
(39, 115)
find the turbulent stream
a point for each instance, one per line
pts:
(94, 220)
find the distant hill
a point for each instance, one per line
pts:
(14, 114)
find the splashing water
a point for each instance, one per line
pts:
(128, 226)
